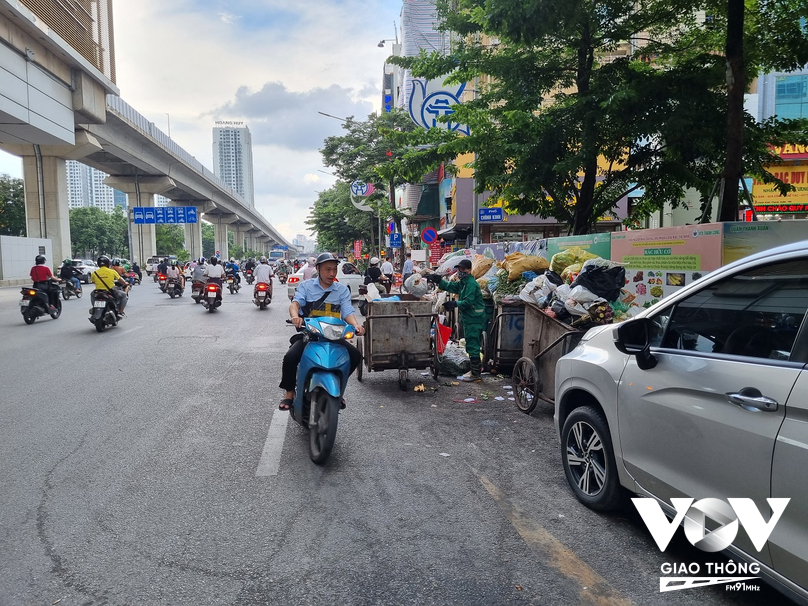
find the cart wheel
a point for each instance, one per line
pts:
(402, 379)
(525, 384)
(359, 369)
(484, 350)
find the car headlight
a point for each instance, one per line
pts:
(331, 332)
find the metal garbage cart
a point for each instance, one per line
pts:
(546, 340)
(502, 341)
(399, 335)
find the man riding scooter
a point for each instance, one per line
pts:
(69, 273)
(263, 275)
(106, 278)
(319, 296)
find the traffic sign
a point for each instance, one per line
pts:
(429, 235)
(434, 253)
(491, 214)
(167, 214)
(395, 240)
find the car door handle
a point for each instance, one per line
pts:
(750, 398)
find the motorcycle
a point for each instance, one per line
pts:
(161, 281)
(35, 303)
(282, 277)
(132, 278)
(232, 283)
(197, 291)
(69, 290)
(213, 297)
(248, 276)
(174, 287)
(104, 311)
(322, 377)
(262, 295)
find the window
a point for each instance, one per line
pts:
(348, 269)
(791, 97)
(756, 314)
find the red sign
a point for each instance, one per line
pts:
(435, 253)
(357, 248)
(429, 235)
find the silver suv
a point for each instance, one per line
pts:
(86, 266)
(703, 395)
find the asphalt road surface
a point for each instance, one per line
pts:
(150, 465)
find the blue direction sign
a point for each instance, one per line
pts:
(168, 214)
(395, 240)
(490, 214)
(281, 247)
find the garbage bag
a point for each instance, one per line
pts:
(455, 361)
(516, 265)
(480, 266)
(605, 283)
(553, 277)
(416, 285)
(574, 254)
(571, 272)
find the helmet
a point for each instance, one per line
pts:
(312, 260)
(103, 260)
(40, 259)
(68, 261)
(116, 261)
(325, 257)
(173, 262)
(201, 260)
(374, 260)
(263, 259)
(232, 260)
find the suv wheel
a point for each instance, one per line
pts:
(588, 458)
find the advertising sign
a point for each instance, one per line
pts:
(357, 248)
(597, 244)
(742, 239)
(768, 199)
(660, 261)
(435, 253)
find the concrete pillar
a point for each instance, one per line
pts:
(221, 224)
(140, 191)
(46, 208)
(193, 239)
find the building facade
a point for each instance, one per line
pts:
(233, 159)
(85, 187)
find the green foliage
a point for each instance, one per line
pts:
(12, 207)
(170, 239)
(337, 222)
(208, 240)
(564, 128)
(92, 232)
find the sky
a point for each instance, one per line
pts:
(271, 63)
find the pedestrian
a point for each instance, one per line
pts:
(472, 312)
(408, 270)
(387, 271)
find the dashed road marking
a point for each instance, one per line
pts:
(273, 447)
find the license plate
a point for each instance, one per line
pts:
(212, 295)
(262, 294)
(230, 281)
(24, 303)
(100, 304)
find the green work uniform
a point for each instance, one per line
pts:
(471, 306)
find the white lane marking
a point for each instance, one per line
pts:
(273, 447)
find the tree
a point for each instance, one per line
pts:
(12, 207)
(117, 242)
(170, 239)
(362, 154)
(566, 127)
(338, 222)
(208, 240)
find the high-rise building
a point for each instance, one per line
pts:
(232, 158)
(85, 187)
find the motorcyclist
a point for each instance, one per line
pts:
(162, 267)
(42, 276)
(106, 278)
(472, 312)
(199, 271)
(136, 269)
(116, 265)
(68, 272)
(320, 296)
(263, 274)
(232, 266)
(308, 273)
(374, 275)
(214, 273)
(173, 271)
(250, 264)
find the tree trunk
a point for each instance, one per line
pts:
(736, 87)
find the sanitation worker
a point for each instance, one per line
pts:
(472, 312)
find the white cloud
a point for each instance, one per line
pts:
(272, 63)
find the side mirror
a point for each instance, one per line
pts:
(634, 338)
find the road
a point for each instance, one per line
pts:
(149, 465)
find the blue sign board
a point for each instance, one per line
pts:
(280, 247)
(168, 214)
(490, 214)
(395, 240)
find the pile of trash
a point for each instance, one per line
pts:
(582, 289)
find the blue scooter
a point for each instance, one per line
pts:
(322, 377)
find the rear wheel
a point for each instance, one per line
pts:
(29, 317)
(525, 384)
(171, 293)
(79, 293)
(360, 346)
(323, 431)
(100, 325)
(55, 315)
(65, 294)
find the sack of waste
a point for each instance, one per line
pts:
(574, 254)
(517, 263)
(416, 285)
(455, 361)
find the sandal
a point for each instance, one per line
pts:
(285, 404)
(342, 404)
